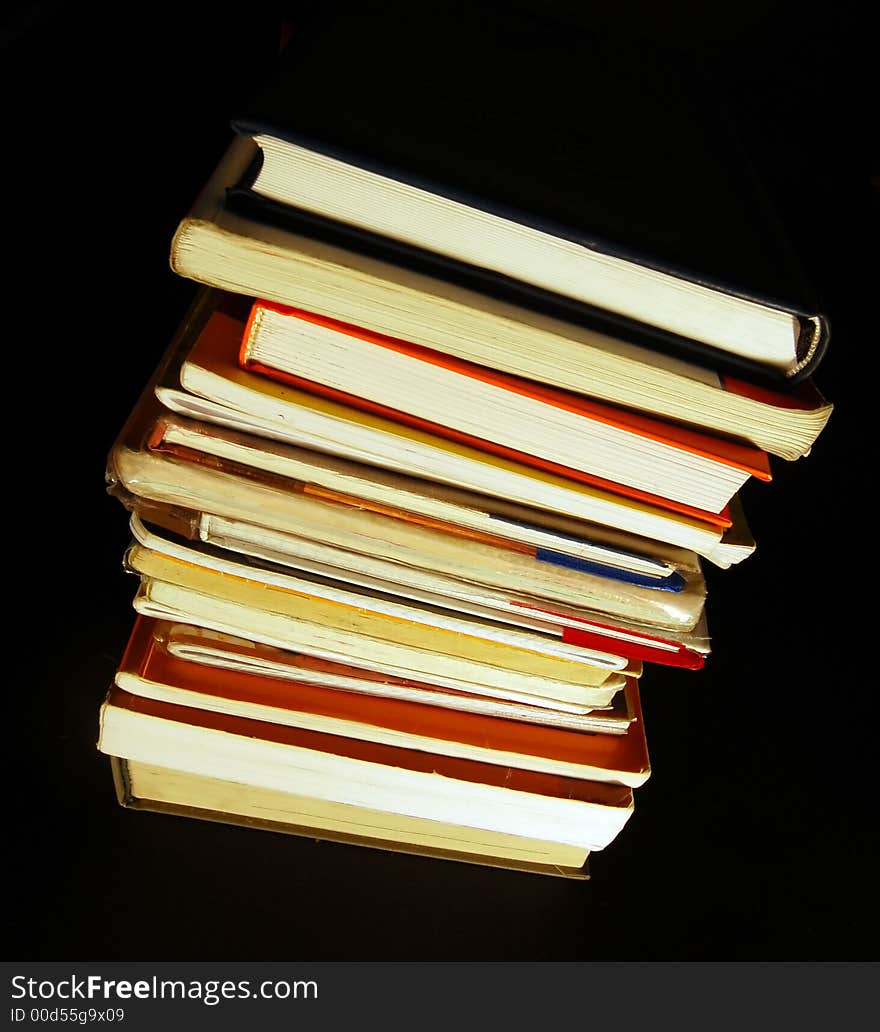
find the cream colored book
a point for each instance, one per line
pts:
(141, 786)
(311, 422)
(462, 595)
(233, 510)
(473, 621)
(216, 247)
(228, 652)
(179, 591)
(382, 490)
(501, 800)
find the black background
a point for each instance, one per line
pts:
(755, 836)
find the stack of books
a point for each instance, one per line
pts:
(425, 483)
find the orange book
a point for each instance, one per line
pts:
(148, 669)
(550, 429)
(201, 379)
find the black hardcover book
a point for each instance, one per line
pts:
(583, 173)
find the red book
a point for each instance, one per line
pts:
(150, 671)
(567, 434)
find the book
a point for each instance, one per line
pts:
(555, 200)
(143, 786)
(601, 550)
(205, 383)
(476, 621)
(229, 652)
(505, 800)
(217, 247)
(502, 414)
(174, 590)
(149, 670)
(307, 528)
(219, 490)
(669, 640)
(549, 537)
(605, 632)
(385, 585)
(393, 440)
